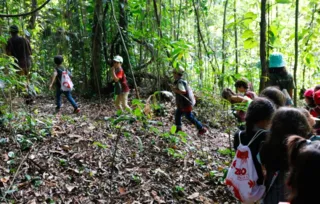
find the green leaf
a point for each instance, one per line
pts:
(250, 43)
(173, 129)
(98, 144)
(247, 34)
(283, 1)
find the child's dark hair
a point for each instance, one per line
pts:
(304, 157)
(241, 83)
(316, 88)
(260, 109)
(58, 59)
(227, 93)
(278, 70)
(274, 95)
(286, 121)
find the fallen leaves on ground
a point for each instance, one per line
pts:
(74, 163)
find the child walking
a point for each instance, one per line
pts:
(258, 120)
(57, 77)
(184, 106)
(121, 84)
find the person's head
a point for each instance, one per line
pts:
(117, 61)
(304, 157)
(242, 85)
(285, 122)
(310, 118)
(259, 114)
(14, 30)
(58, 59)
(316, 97)
(277, 63)
(308, 96)
(227, 94)
(288, 121)
(316, 88)
(274, 95)
(177, 72)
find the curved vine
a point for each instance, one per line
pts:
(24, 14)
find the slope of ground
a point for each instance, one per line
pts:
(73, 160)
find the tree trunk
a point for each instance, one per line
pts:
(264, 71)
(95, 71)
(296, 53)
(32, 21)
(223, 44)
(236, 36)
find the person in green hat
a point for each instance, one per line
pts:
(279, 77)
(20, 49)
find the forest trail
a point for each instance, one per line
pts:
(72, 163)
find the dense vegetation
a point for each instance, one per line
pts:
(216, 41)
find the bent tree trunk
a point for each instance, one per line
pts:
(264, 72)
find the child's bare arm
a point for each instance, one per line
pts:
(52, 80)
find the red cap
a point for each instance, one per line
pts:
(308, 93)
(316, 97)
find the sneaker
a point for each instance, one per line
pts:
(202, 131)
(76, 110)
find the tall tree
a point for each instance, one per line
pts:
(296, 53)
(263, 25)
(95, 71)
(224, 53)
(236, 36)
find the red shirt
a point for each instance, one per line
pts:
(123, 80)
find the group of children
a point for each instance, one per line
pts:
(117, 73)
(283, 142)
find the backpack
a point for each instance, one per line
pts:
(242, 175)
(190, 96)
(66, 83)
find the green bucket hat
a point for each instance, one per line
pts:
(276, 60)
(14, 29)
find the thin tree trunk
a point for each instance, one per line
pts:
(264, 71)
(296, 53)
(236, 36)
(96, 48)
(179, 17)
(223, 44)
(307, 43)
(196, 10)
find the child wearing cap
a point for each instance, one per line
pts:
(242, 86)
(184, 106)
(280, 77)
(310, 104)
(121, 84)
(57, 75)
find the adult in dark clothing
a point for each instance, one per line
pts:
(258, 118)
(19, 48)
(278, 76)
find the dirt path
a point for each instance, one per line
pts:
(72, 161)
